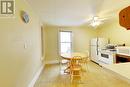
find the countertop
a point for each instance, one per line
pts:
(122, 69)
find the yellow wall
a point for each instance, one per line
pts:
(81, 39)
(116, 33)
(17, 64)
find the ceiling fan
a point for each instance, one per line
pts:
(101, 17)
(95, 21)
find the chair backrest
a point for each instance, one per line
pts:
(86, 58)
(75, 60)
(87, 53)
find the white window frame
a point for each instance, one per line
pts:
(59, 50)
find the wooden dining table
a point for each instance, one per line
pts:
(69, 56)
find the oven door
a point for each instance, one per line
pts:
(104, 58)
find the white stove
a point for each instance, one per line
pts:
(107, 57)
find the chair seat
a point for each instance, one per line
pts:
(75, 69)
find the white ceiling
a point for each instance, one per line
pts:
(76, 12)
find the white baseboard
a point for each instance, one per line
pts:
(32, 83)
(52, 62)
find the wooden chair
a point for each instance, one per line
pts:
(64, 66)
(85, 60)
(75, 68)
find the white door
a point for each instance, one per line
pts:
(94, 54)
(94, 42)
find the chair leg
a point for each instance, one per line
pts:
(76, 75)
(87, 67)
(71, 77)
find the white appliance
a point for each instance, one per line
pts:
(95, 46)
(107, 57)
(123, 50)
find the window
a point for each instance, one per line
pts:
(65, 42)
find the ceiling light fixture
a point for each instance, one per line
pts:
(95, 22)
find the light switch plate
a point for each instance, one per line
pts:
(25, 45)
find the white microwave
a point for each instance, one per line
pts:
(123, 50)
